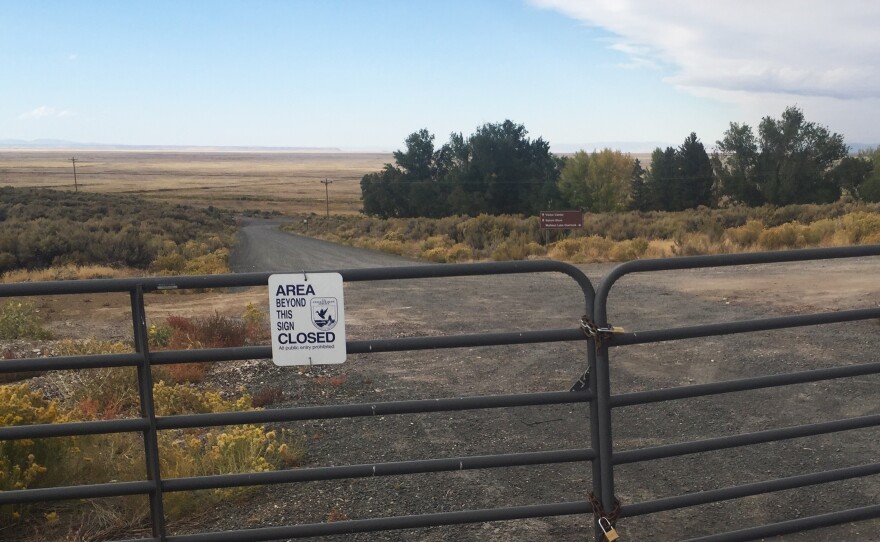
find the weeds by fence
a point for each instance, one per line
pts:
(111, 394)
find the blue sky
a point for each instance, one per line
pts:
(363, 75)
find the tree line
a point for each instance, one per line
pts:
(500, 170)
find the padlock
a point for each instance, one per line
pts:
(608, 530)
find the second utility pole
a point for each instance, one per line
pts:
(327, 184)
(75, 187)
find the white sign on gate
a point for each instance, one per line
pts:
(307, 315)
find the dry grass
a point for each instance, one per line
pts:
(264, 181)
(68, 272)
(609, 237)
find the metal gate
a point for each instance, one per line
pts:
(593, 387)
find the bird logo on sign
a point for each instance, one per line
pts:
(325, 311)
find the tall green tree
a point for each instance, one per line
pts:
(514, 173)
(597, 182)
(662, 179)
(695, 176)
(851, 174)
(410, 187)
(640, 196)
(497, 170)
(735, 162)
(796, 157)
(382, 194)
(793, 164)
(417, 160)
(869, 187)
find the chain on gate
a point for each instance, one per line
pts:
(604, 520)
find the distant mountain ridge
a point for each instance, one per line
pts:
(60, 144)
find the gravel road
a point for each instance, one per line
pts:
(471, 305)
(263, 247)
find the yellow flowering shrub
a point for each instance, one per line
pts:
(174, 399)
(108, 393)
(23, 462)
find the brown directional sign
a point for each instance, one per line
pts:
(561, 220)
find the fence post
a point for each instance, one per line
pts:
(148, 411)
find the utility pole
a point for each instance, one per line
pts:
(327, 184)
(75, 187)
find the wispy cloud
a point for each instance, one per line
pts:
(799, 48)
(72, 56)
(44, 112)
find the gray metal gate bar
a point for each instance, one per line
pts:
(744, 439)
(744, 384)
(795, 525)
(747, 490)
(750, 326)
(394, 468)
(69, 429)
(70, 362)
(415, 406)
(390, 523)
(113, 489)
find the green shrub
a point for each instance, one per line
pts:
(19, 320)
(437, 241)
(159, 335)
(696, 244)
(565, 249)
(45, 228)
(861, 226)
(256, 322)
(595, 249)
(785, 236)
(436, 255)
(518, 247)
(821, 232)
(629, 250)
(747, 234)
(459, 252)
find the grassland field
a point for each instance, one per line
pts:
(265, 181)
